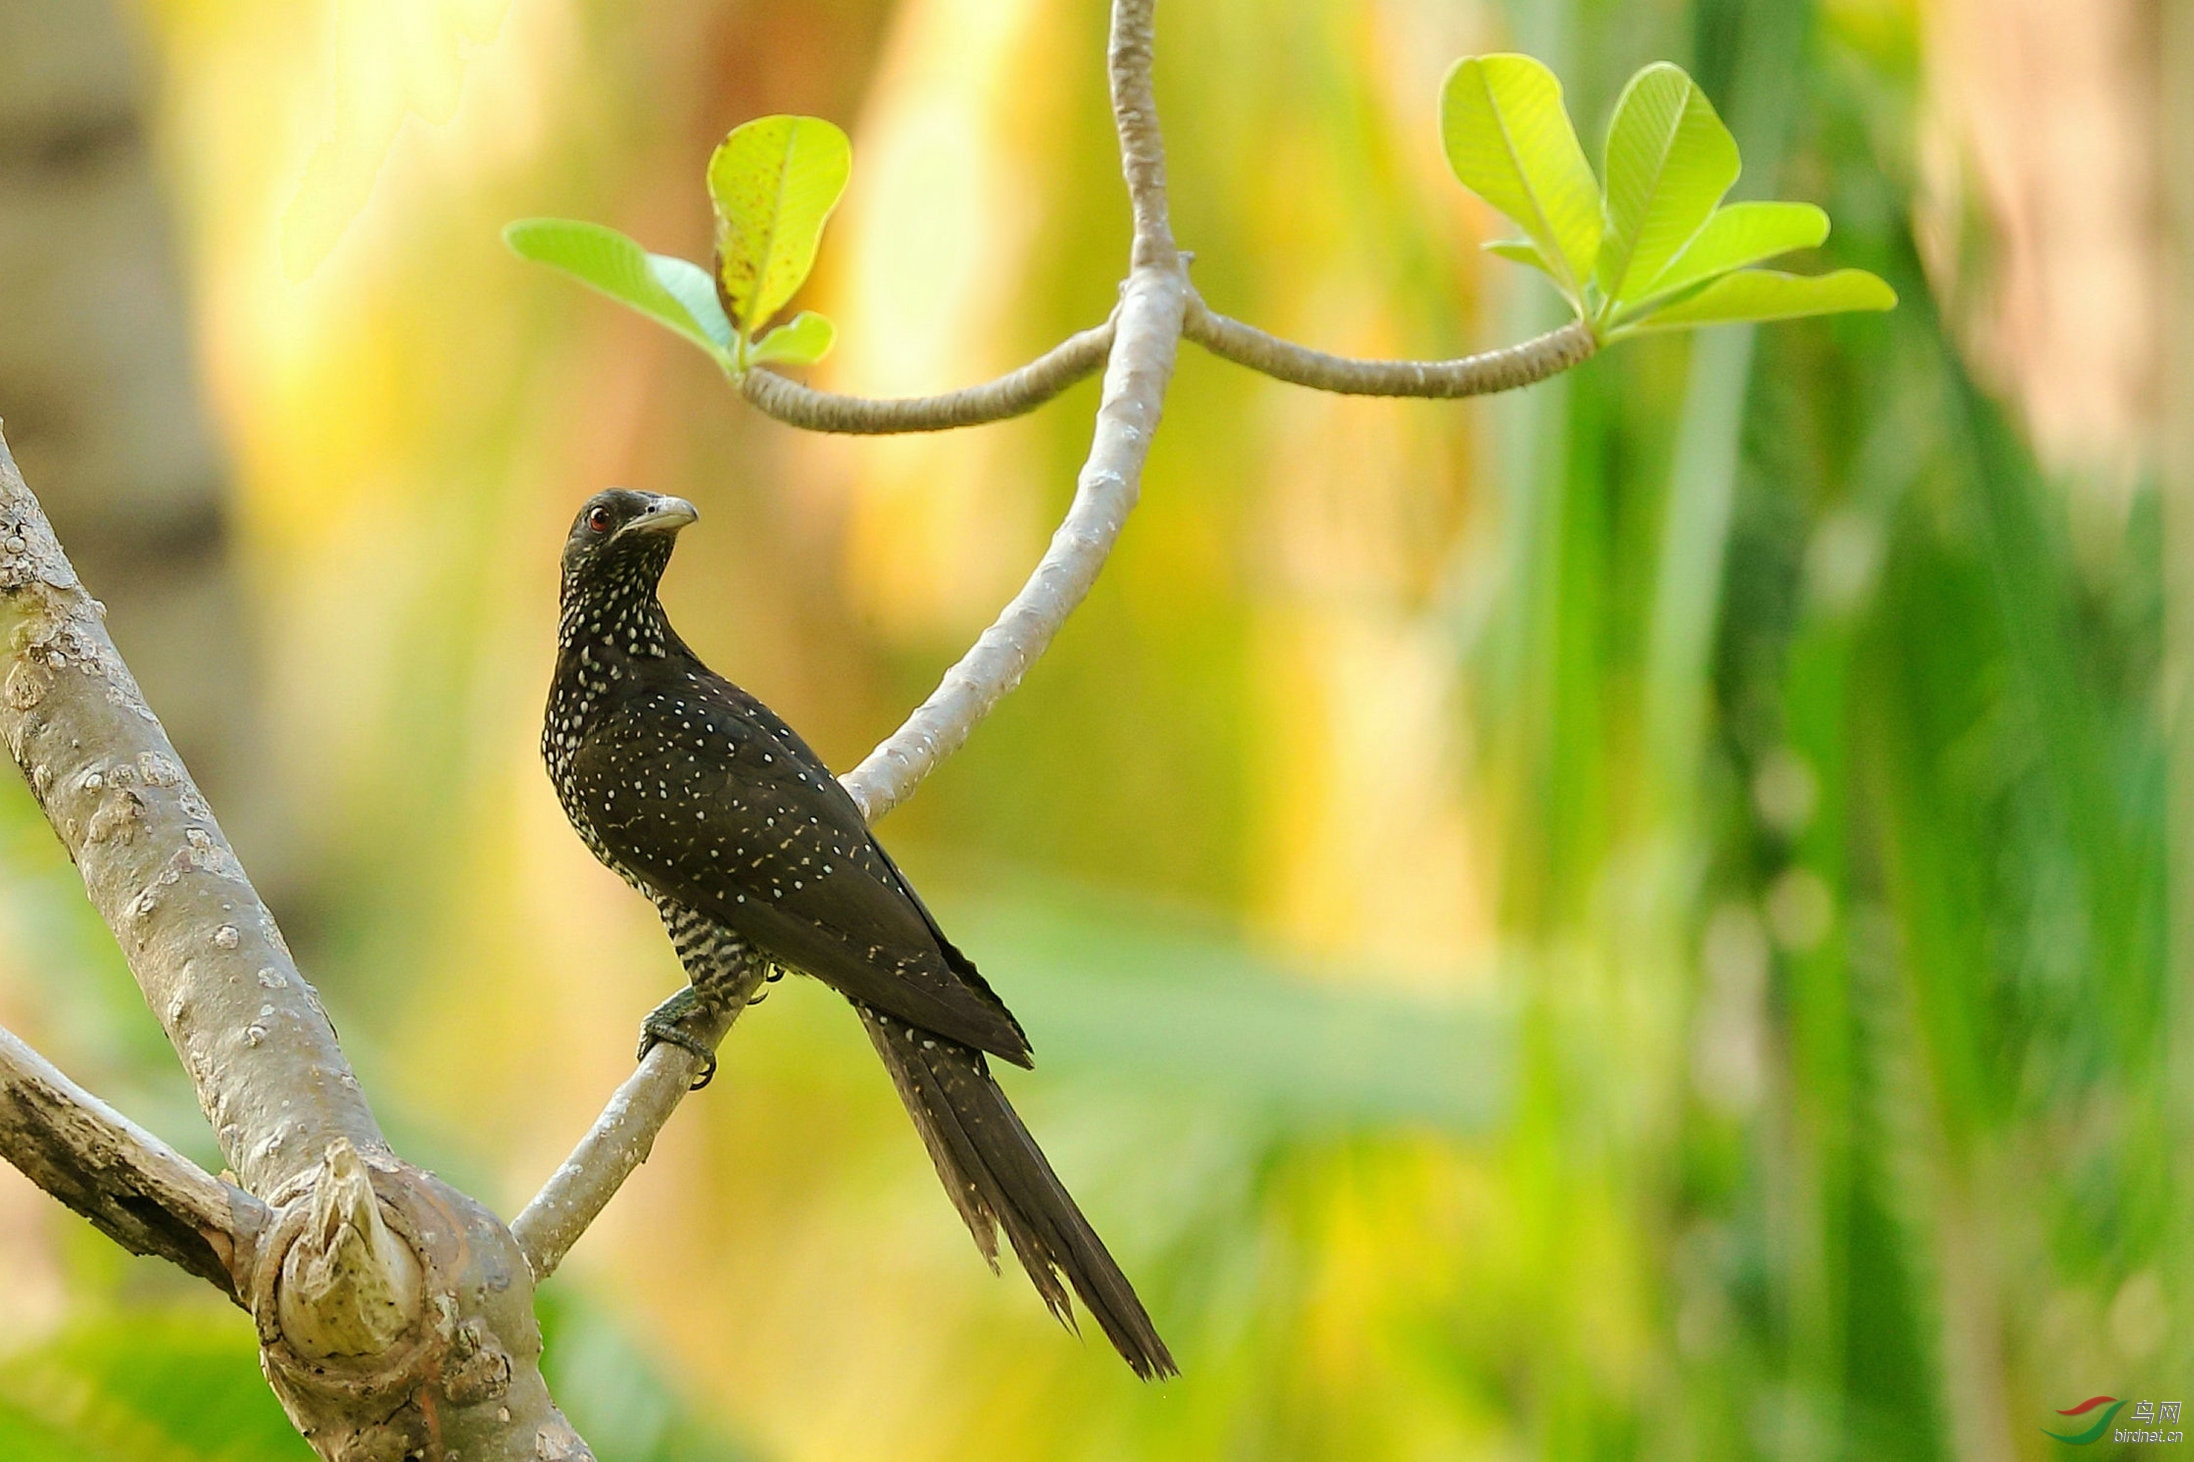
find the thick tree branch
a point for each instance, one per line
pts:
(399, 1324)
(1471, 375)
(1014, 394)
(205, 950)
(1145, 335)
(134, 1188)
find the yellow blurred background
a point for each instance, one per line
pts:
(1619, 922)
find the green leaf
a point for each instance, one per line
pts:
(606, 260)
(775, 181)
(803, 340)
(1764, 294)
(1741, 234)
(1520, 251)
(1510, 142)
(691, 286)
(1669, 161)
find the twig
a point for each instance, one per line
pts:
(1471, 375)
(1142, 144)
(1013, 394)
(618, 1142)
(1149, 331)
(1145, 335)
(134, 1188)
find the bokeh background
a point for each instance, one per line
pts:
(1628, 920)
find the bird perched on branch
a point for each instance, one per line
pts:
(697, 795)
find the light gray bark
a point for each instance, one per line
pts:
(620, 1139)
(205, 950)
(463, 1376)
(133, 1187)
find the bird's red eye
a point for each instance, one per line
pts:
(598, 520)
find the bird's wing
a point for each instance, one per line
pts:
(714, 802)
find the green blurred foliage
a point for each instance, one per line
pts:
(1622, 922)
(181, 1383)
(147, 1386)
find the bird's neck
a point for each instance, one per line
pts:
(629, 626)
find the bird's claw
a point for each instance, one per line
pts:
(665, 1027)
(653, 1034)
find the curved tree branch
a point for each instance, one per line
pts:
(1014, 394)
(1471, 375)
(134, 1188)
(1145, 334)
(1141, 364)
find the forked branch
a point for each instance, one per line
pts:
(1145, 333)
(1139, 345)
(399, 1324)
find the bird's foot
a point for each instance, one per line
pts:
(667, 1025)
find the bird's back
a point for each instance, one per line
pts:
(699, 794)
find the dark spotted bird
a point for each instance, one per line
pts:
(702, 799)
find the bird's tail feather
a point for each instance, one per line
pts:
(998, 1177)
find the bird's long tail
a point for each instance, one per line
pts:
(998, 1177)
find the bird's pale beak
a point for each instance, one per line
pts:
(664, 515)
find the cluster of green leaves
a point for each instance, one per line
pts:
(774, 182)
(1652, 247)
(1654, 250)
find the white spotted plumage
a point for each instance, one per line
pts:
(699, 796)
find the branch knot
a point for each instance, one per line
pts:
(349, 1285)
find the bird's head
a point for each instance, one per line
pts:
(620, 543)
